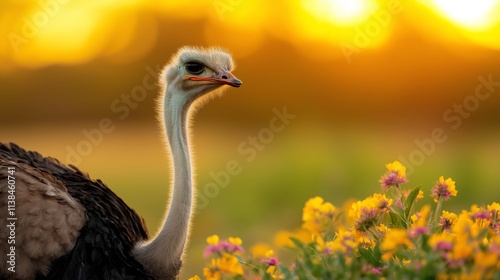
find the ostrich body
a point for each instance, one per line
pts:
(68, 226)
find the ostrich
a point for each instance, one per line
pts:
(64, 225)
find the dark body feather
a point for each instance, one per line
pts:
(103, 248)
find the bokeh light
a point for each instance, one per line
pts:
(470, 14)
(40, 33)
(340, 12)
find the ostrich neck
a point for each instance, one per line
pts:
(176, 226)
(165, 250)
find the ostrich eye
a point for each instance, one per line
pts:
(195, 68)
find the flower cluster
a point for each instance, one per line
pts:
(383, 236)
(469, 240)
(224, 257)
(395, 176)
(443, 189)
(368, 212)
(317, 215)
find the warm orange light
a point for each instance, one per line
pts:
(40, 33)
(339, 12)
(469, 14)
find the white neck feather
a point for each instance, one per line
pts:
(166, 249)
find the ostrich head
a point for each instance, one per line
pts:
(193, 72)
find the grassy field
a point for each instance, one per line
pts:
(303, 160)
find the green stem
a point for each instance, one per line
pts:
(437, 213)
(375, 236)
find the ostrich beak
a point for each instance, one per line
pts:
(224, 77)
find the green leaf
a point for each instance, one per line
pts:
(297, 243)
(267, 276)
(425, 243)
(399, 211)
(397, 220)
(240, 259)
(410, 200)
(286, 272)
(370, 256)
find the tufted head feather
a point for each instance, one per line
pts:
(213, 57)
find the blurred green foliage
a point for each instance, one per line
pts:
(304, 160)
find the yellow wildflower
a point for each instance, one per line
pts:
(382, 228)
(485, 264)
(494, 207)
(381, 202)
(465, 227)
(212, 272)
(443, 189)
(420, 218)
(465, 231)
(274, 272)
(419, 225)
(259, 250)
(486, 259)
(233, 245)
(394, 239)
(269, 253)
(317, 214)
(311, 208)
(441, 241)
(462, 250)
(483, 217)
(447, 219)
(363, 240)
(196, 277)
(396, 175)
(213, 240)
(344, 242)
(420, 194)
(367, 212)
(272, 261)
(282, 238)
(235, 240)
(397, 167)
(321, 244)
(230, 264)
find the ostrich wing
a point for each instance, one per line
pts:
(44, 222)
(107, 229)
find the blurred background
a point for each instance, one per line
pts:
(367, 82)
